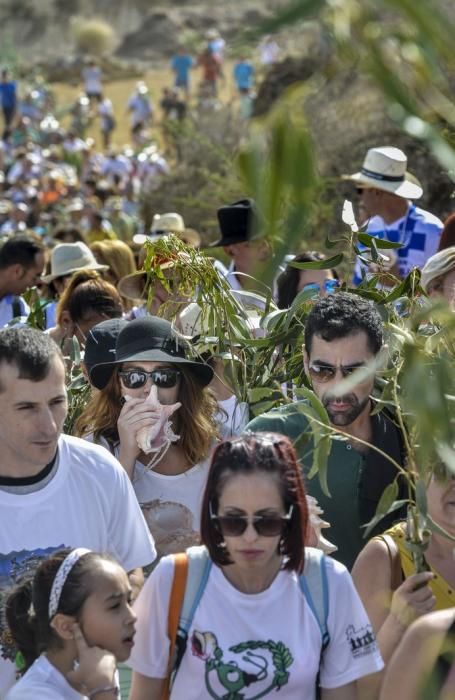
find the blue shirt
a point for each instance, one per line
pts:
(8, 94)
(243, 75)
(418, 231)
(181, 66)
(8, 310)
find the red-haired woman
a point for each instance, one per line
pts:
(253, 631)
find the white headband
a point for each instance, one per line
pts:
(61, 576)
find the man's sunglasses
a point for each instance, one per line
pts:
(165, 378)
(329, 285)
(325, 373)
(265, 525)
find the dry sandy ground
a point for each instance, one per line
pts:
(120, 91)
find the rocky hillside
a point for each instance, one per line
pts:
(146, 29)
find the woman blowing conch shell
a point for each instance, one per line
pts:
(154, 412)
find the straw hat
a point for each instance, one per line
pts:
(193, 322)
(67, 258)
(385, 169)
(133, 286)
(164, 224)
(437, 266)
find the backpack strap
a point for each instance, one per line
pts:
(314, 585)
(199, 565)
(175, 605)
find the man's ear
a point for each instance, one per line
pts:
(17, 271)
(63, 626)
(228, 250)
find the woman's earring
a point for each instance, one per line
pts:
(282, 546)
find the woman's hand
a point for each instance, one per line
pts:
(135, 414)
(95, 668)
(412, 599)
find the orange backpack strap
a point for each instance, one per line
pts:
(175, 607)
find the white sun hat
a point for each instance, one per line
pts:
(385, 169)
(67, 258)
(437, 266)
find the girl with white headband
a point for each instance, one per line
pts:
(71, 624)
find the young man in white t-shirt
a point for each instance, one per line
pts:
(56, 491)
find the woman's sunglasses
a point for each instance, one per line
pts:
(329, 285)
(325, 373)
(165, 378)
(265, 525)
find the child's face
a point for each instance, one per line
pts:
(107, 619)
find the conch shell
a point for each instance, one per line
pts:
(317, 539)
(157, 438)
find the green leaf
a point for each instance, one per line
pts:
(75, 351)
(259, 393)
(320, 462)
(303, 296)
(447, 454)
(369, 527)
(387, 498)
(374, 251)
(421, 497)
(326, 264)
(437, 529)
(272, 320)
(367, 240)
(315, 403)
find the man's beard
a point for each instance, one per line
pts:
(348, 416)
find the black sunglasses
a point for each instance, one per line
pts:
(265, 525)
(325, 373)
(164, 378)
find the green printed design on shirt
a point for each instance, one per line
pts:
(238, 681)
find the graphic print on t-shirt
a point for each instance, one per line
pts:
(362, 641)
(253, 669)
(14, 568)
(171, 524)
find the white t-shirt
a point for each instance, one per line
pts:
(140, 108)
(92, 80)
(43, 680)
(236, 419)
(88, 503)
(253, 644)
(171, 504)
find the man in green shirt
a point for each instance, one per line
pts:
(343, 333)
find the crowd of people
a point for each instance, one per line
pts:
(172, 528)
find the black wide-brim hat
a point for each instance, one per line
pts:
(237, 222)
(153, 339)
(100, 350)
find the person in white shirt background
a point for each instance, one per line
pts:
(387, 192)
(22, 260)
(56, 491)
